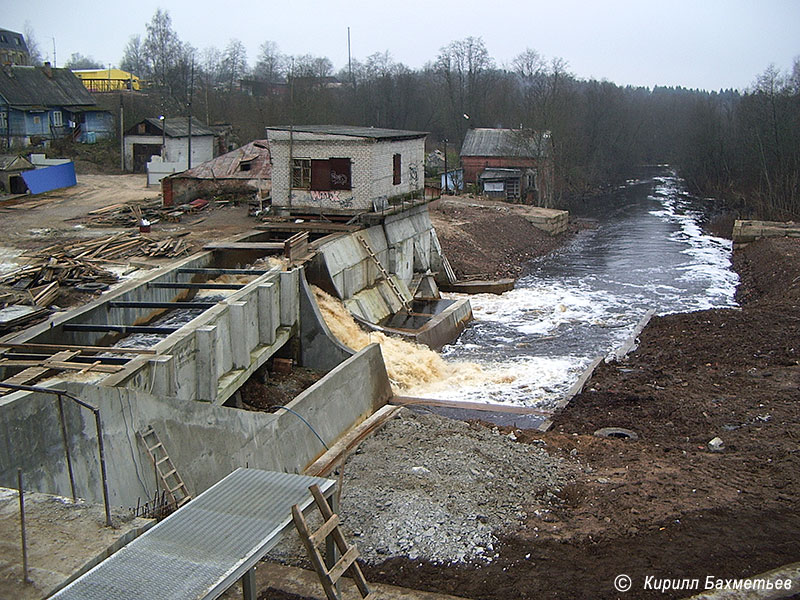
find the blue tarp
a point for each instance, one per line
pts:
(50, 178)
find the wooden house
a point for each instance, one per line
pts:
(512, 164)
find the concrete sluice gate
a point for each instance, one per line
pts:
(181, 372)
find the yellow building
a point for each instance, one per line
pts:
(107, 80)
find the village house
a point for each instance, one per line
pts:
(245, 171)
(38, 104)
(167, 138)
(512, 164)
(341, 169)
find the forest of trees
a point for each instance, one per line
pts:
(743, 146)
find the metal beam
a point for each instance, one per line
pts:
(196, 286)
(110, 360)
(119, 328)
(216, 272)
(176, 305)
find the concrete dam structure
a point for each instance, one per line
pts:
(129, 360)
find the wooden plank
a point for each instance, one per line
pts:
(57, 347)
(67, 366)
(24, 377)
(320, 534)
(267, 246)
(343, 564)
(499, 408)
(326, 463)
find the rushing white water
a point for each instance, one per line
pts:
(647, 251)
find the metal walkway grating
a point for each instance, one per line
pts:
(203, 548)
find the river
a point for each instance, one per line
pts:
(646, 250)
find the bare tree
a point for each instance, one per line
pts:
(161, 49)
(271, 64)
(79, 61)
(34, 51)
(133, 59)
(234, 63)
(463, 67)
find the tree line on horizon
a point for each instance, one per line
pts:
(743, 146)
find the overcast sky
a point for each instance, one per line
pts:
(707, 44)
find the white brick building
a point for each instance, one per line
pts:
(342, 169)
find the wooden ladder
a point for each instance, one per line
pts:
(165, 470)
(312, 541)
(405, 303)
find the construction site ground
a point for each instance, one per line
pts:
(63, 537)
(666, 504)
(39, 221)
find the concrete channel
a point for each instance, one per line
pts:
(184, 384)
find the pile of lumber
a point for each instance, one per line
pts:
(62, 270)
(119, 246)
(126, 214)
(170, 247)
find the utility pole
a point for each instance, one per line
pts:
(121, 135)
(191, 93)
(349, 60)
(446, 190)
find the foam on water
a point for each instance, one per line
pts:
(534, 341)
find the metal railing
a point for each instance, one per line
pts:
(60, 394)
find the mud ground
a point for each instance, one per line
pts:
(62, 215)
(666, 504)
(484, 238)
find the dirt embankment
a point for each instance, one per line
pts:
(491, 239)
(667, 505)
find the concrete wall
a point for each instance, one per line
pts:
(746, 231)
(205, 442)
(177, 149)
(405, 244)
(207, 359)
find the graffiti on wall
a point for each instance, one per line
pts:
(332, 198)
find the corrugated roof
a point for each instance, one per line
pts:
(14, 162)
(512, 143)
(204, 547)
(376, 133)
(254, 155)
(175, 127)
(500, 173)
(179, 126)
(30, 86)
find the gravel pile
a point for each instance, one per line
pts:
(431, 488)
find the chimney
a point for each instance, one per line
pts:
(48, 70)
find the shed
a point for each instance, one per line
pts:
(43, 103)
(516, 164)
(11, 167)
(167, 138)
(245, 170)
(340, 169)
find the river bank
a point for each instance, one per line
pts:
(667, 504)
(490, 239)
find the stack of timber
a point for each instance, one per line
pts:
(126, 214)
